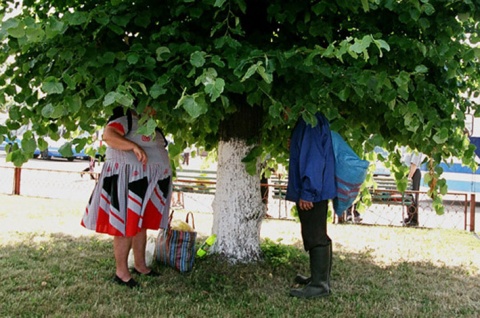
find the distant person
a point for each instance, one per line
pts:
(413, 160)
(132, 194)
(311, 183)
(186, 156)
(90, 169)
(264, 191)
(350, 215)
(92, 161)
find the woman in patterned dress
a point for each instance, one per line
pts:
(132, 194)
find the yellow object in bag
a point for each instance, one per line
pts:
(180, 225)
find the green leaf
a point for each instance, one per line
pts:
(251, 70)
(70, 81)
(421, 69)
(157, 90)
(142, 87)
(194, 105)
(215, 89)
(402, 80)
(34, 35)
(91, 102)
(121, 20)
(18, 31)
(73, 103)
(148, 128)
(111, 80)
(414, 14)
(76, 17)
(133, 58)
(191, 106)
(360, 46)
(109, 98)
(50, 111)
(163, 53)
(17, 157)
(123, 99)
(142, 20)
(428, 8)
(381, 44)
(66, 149)
(219, 3)
(218, 61)
(441, 136)
(115, 28)
(52, 86)
(344, 93)
(197, 59)
(107, 58)
(42, 144)
(267, 77)
(438, 205)
(175, 148)
(28, 143)
(365, 5)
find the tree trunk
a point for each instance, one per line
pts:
(237, 207)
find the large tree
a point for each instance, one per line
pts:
(224, 73)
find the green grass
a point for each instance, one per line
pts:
(51, 268)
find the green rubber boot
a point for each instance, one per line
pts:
(320, 267)
(304, 280)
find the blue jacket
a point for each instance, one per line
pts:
(311, 171)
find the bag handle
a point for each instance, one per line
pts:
(170, 218)
(193, 221)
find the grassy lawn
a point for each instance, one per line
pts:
(52, 267)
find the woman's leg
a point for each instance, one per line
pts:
(139, 243)
(121, 248)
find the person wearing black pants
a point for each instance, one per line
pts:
(412, 215)
(414, 160)
(319, 245)
(311, 183)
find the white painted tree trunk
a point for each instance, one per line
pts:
(238, 210)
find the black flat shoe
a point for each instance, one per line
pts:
(152, 273)
(131, 282)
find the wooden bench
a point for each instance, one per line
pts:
(195, 181)
(279, 186)
(387, 192)
(192, 181)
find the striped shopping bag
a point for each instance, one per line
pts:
(176, 248)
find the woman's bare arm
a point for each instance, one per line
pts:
(116, 140)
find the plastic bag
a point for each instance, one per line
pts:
(180, 225)
(149, 253)
(350, 173)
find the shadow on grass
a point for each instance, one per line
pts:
(61, 275)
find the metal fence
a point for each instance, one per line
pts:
(461, 211)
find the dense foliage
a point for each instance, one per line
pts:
(385, 72)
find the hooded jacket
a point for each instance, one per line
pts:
(311, 171)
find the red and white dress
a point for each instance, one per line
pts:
(130, 196)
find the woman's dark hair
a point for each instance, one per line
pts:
(119, 112)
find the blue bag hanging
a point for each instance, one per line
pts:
(350, 173)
